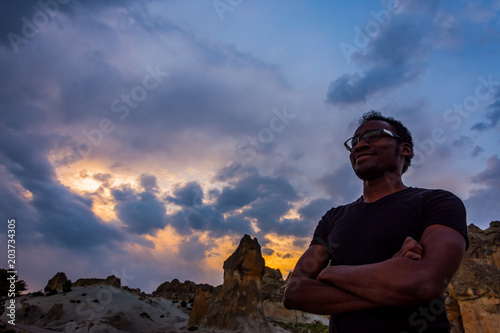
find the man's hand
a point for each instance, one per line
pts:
(411, 249)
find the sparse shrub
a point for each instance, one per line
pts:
(37, 293)
(66, 286)
(145, 315)
(50, 292)
(315, 327)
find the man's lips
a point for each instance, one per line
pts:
(362, 155)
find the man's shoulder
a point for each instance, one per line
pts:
(335, 210)
(431, 192)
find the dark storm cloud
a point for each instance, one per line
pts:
(56, 100)
(268, 208)
(251, 197)
(393, 57)
(148, 183)
(105, 178)
(11, 13)
(314, 210)
(492, 116)
(491, 175)
(148, 104)
(193, 249)
(188, 195)
(143, 212)
(57, 215)
(196, 215)
(342, 184)
(21, 21)
(251, 187)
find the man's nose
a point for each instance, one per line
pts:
(361, 144)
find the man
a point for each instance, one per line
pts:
(392, 252)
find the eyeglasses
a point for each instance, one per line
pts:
(369, 136)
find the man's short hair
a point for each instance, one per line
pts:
(400, 129)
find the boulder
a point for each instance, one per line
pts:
(55, 313)
(177, 291)
(56, 283)
(273, 285)
(29, 314)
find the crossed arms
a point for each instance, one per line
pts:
(417, 273)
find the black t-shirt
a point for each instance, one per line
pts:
(363, 233)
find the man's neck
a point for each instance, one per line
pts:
(378, 188)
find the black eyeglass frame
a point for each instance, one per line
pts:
(362, 136)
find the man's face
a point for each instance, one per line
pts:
(375, 159)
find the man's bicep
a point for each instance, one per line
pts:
(312, 262)
(444, 248)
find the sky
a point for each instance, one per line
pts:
(144, 139)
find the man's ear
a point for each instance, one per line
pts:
(406, 150)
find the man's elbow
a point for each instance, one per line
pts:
(431, 291)
(291, 299)
(427, 289)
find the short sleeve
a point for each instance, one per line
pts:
(443, 207)
(322, 230)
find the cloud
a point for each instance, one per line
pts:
(393, 57)
(252, 186)
(189, 195)
(58, 215)
(143, 212)
(341, 185)
(492, 116)
(466, 144)
(148, 183)
(315, 209)
(483, 206)
(268, 208)
(491, 175)
(193, 249)
(249, 198)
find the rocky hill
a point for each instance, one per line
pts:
(249, 300)
(473, 298)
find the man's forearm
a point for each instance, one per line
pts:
(313, 296)
(394, 282)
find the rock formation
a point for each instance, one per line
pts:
(57, 282)
(110, 281)
(473, 300)
(180, 292)
(237, 305)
